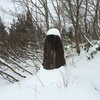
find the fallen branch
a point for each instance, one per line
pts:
(88, 40)
(8, 77)
(14, 61)
(4, 63)
(20, 66)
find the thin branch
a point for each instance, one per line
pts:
(3, 74)
(13, 60)
(4, 63)
(88, 40)
(94, 86)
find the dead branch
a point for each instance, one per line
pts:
(13, 60)
(88, 40)
(8, 77)
(4, 63)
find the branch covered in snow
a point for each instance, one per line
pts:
(88, 40)
(12, 59)
(8, 77)
(4, 63)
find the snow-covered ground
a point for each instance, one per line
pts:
(79, 80)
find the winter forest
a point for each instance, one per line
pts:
(22, 48)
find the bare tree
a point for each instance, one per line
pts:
(85, 16)
(57, 8)
(74, 15)
(41, 10)
(95, 21)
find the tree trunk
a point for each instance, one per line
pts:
(53, 52)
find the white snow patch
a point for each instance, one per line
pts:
(79, 80)
(54, 31)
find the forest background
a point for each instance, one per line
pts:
(22, 38)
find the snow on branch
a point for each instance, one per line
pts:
(12, 59)
(6, 64)
(8, 77)
(88, 40)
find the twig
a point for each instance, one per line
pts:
(35, 56)
(7, 75)
(16, 63)
(94, 86)
(11, 69)
(88, 40)
(39, 80)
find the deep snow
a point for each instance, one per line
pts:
(79, 80)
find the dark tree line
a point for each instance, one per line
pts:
(23, 34)
(17, 44)
(81, 17)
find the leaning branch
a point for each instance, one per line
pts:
(4, 63)
(88, 40)
(13, 60)
(8, 77)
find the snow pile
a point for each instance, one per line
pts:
(54, 31)
(79, 80)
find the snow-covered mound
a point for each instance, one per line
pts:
(54, 31)
(79, 80)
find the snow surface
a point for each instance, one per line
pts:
(54, 31)
(79, 80)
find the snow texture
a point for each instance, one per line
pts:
(79, 80)
(54, 31)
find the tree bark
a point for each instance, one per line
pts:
(53, 52)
